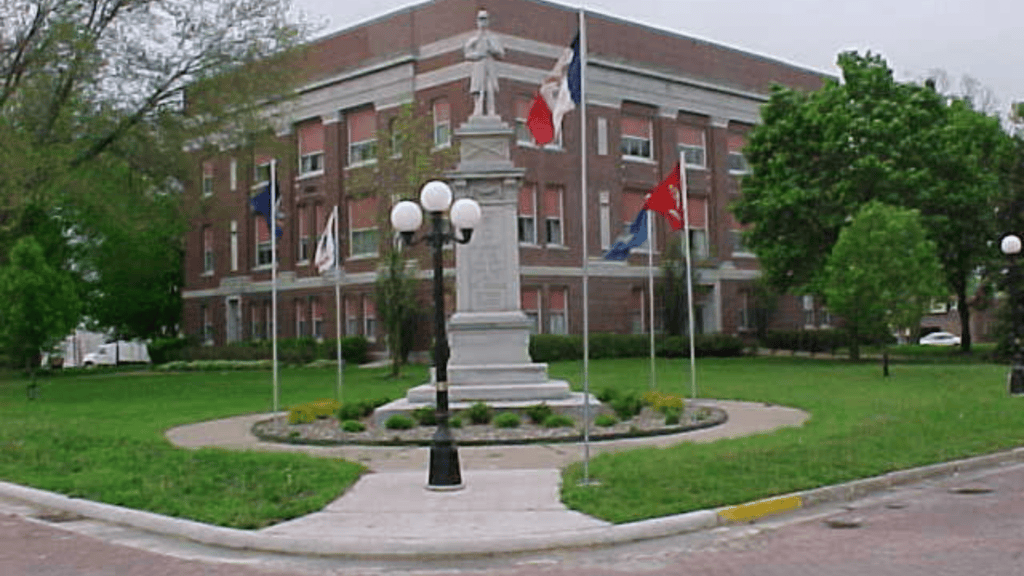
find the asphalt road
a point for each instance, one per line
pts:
(971, 524)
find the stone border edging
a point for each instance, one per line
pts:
(719, 417)
(421, 548)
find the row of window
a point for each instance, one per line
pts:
(308, 315)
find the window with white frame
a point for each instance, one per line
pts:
(826, 317)
(207, 178)
(318, 319)
(602, 136)
(696, 207)
(300, 318)
(527, 215)
(553, 234)
(632, 203)
(523, 135)
(442, 123)
(261, 173)
(362, 225)
(207, 250)
(351, 316)
(744, 319)
(808, 306)
(530, 299)
(557, 322)
(605, 219)
(263, 244)
(311, 148)
(735, 161)
(637, 317)
(305, 240)
(369, 318)
(207, 325)
(362, 137)
(692, 146)
(635, 142)
(234, 245)
(233, 173)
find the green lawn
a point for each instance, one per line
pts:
(861, 425)
(101, 436)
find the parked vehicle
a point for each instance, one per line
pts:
(116, 353)
(940, 339)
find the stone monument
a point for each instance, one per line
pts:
(489, 335)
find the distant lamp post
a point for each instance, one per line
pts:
(1010, 246)
(406, 217)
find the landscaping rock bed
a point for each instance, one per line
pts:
(326, 431)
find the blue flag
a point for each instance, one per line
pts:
(637, 236)
(261, 205)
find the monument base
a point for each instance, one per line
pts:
(571, 405)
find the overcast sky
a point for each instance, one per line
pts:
(983, 39)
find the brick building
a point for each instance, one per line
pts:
(650, 95)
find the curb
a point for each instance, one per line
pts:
(409, 548)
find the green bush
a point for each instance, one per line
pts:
(627, 405)
(607, 394)
(558, 421)
(538, 412)
(301, 414)
(352, 426)
(350, 411)
(507, 420)
(671, 416)
(399, 422)
(479, 413)
(551, 347)
(455, 422)
(291, 351)
(161, 349)
(426, 416)
(214, 365)
(606, 420)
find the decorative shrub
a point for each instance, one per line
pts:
(558, 421)
(426, 416)
(552, 347)
(607, 394)
(507, 420)
(479, 413)
(301, 414)
(671, 416)
(455, 422)
(627, 405)
(399, 422)
(662, 402)
(324, 407)
(352, 426)
(350, 411)
(292, 351)
(606, 420)
(539, 412)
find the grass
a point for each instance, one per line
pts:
(862, 425)
(100, 436)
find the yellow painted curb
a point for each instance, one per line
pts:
(760, 508)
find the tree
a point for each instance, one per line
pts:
(882, 273)
(820, 156)
(395, 295)
(672, 288)
(38, 306)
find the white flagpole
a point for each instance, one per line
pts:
(337, 302)
(273, 270)
(689, 273)
(650, 282)
(586, 256)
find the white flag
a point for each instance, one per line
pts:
(324, 259)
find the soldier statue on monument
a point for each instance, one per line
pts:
(481, 49)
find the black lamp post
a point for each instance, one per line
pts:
(1011, 247)
(406, 217)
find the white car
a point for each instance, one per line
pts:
(940, 339)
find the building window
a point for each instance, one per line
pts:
(305, 242)
(808, 305)
(261, 174)
(744, 321)
(556, 312)
(696, 207)
(523, 135)
(826, 318)
(311, 148)
(736, 235)
(632, 204)
(553, 217)
(605, 219)
(207, 325)
(234, 174)
(636, 312)
(207, 250)
(351, 317)
(736, 162)
(442, 123)
(527, 215)
(530, 300)
(369, 319)
(362, 137)
(318, 319)
(362, 225)
(234, 245)
(263, 255)
(300, 319)
(636, 138)
(207, 178)
(692, 146)
(699, 244)
(602, 136)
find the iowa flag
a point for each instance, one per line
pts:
(559, 94)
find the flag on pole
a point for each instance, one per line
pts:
(559, 93)
(260, 204)
(664, 199)
(637, 236)
(326, 254)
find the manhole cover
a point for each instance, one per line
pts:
(844, 522)
(971, 489)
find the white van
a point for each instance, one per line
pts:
(116, 353)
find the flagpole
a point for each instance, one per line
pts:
(273, 270)
(586, 256)
(337, 303)
(650, 281)
(689, 272)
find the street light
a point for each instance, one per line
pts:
(406, 217)
(1010, 246)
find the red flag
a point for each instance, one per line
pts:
(664, 199)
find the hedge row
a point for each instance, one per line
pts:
(296, 351)
(815, 340)
(551, 348)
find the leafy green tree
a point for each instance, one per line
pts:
(671, 288)
(395, 296)
(883, 272)
(38, 306)
(820, 156)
